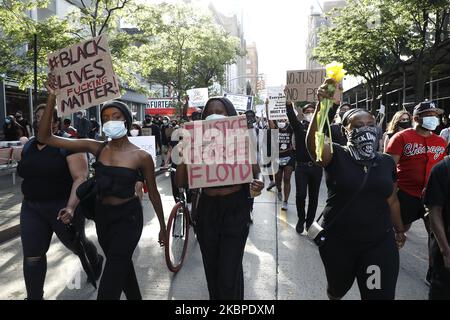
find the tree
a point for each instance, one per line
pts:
(92, 19)
(356, 41)
(404, 29)
(17, 32)
(188, 49)
(428, 23)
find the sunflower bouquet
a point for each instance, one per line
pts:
(335, 73)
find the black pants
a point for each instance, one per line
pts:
(38, 223)
(307, 180)
(440, 276)
(119, 229)
(223, 226)
(369, 263)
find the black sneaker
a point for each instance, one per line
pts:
(299, 227)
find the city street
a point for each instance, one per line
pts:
(279, 264)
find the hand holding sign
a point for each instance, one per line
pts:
(84, 75)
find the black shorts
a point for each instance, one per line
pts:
(290, 163)
(411, 207)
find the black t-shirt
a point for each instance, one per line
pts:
(285, 139)
(437, 194)
(367, 218)
(46, 175)
(300, 131)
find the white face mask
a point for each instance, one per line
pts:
(308, 117)
(134, 132)
(215, 117)
(281, 125)
(115, 129)
(430, 123)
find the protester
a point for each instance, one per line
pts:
(415, 152)
(23, 123)
(165, 139)
(136, 130)
(362, 210)
(151, 128)
(50, 178)
(67, 127)
(286, 161)
(308, 175)
(437, 199)
(95, 129)
(337, 134)
(118, 211)
(400, 121)
(223, 221)
(445, 133)
(12, 130)
(83, 125)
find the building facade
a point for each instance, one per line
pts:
(252, 69)
(235, 74)
(317, 21)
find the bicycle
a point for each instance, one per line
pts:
(178, 232)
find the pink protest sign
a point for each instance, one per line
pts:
(84, 75)
(218, 152)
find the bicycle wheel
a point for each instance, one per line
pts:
(178, 236)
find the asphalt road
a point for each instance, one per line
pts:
(278, 262)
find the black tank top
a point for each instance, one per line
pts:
(114, 181)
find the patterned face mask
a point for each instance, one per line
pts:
(362, 143)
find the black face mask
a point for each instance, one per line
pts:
(405, 124)
(362, 143)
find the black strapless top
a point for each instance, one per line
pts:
(115, 181)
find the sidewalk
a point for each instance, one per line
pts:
(11, 201)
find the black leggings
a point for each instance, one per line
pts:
(119, 229)
(223, 226)
(346, 260)
(37, 224)
(307, 181)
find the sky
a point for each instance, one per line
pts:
(278, 27)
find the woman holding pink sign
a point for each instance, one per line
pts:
(118, 210)
(223, 221)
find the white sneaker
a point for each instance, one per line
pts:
(284, 206)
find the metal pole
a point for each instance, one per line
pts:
(35, 72)
(431, 89)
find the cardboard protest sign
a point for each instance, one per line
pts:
(218, 152)
(303, 85)
(147, 143)
(198, 97)
(84, 75)
(277, 103)
(240, 102)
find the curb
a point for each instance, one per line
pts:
(14, 231)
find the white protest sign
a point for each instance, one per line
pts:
(240, 102)
(303, 85)
(84, 75)
(198, 97)
(218, 152)
(147, 143)
(277, 103)
(260, 110)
